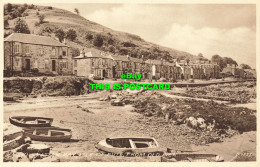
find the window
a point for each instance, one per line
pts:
(27, 49)
(75, 63)
(64, 53)
(16, 48)
(53, 50)
(46, 63)
(63, 64)
(93, 62)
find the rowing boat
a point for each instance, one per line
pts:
(13, 140)
(48, 134)
(27, 121)
(130, 146)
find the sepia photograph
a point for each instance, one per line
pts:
(129, 82)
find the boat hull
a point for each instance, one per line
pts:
(42, 121)
(184, 157)
(104, 147)
(48, 134)
(13, 141)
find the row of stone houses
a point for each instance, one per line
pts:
(27, 52)
(105, 65)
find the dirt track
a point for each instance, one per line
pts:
(103, 121)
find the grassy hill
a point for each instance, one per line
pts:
(87, 32)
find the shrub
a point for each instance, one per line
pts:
(31, 6)
(50, 7)
(21, 27)
(41, 18)
(89, 36)
(60, 34)
(71, 34)
(98, 40)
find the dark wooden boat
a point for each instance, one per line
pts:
(48, 134)
(13, 140)
(27, 121)
(191, 157)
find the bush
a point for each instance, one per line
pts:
(37, 13)
(31, 6)
(60, 34)
(50, 7)
(21, 27)
(98, 40)
(89, 36)
(41, 18)
(71, 34)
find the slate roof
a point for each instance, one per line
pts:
(33, 39)
(157, 62)
(136, 60)
(120, 58)
(93, 54)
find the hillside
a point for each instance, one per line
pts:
(86, 31)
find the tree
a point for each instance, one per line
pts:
(21, 27)
(229, 60)
(41, 18)
(71, 34)
(98, 40)
(111, 49)
(76, 10)
(219, 60)
(245, 66)
(60, 34)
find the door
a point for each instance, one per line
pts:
(27, 64)
(53, 65)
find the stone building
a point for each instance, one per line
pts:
(27, 52)
(156, 68)
(94, 63)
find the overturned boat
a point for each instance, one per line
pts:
(132, 146)
(27, 121)
(13, 140)
(48, 134)
(191, 157)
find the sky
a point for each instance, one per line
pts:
(228, 30)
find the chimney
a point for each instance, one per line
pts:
(64, 41)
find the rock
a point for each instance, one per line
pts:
(20, 157)
(200, 121)
(203, 126)
(34, 156)
(113, 96)
(8, 156)
(49, 159)
(38, 148)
